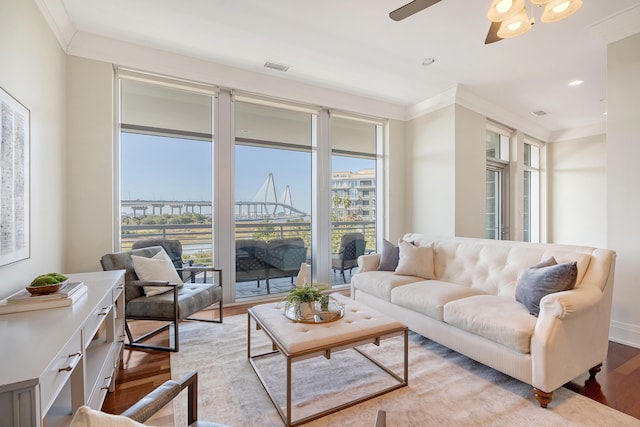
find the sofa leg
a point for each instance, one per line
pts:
(543, 397)
(593, 371)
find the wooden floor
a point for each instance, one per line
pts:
(617, 385)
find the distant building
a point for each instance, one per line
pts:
(353, 195)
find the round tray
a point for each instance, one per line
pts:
(322, 317)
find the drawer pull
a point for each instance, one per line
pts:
(105, 311)
(72, 364)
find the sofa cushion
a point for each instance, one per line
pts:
(543, 279)
(430, 296)
(389, 257)
(380, 283)
(496, 318)
(415, 261)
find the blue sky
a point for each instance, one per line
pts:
(160, 168)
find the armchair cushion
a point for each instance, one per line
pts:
(158, 267)
(87, 417)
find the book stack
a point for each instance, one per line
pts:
(24, 301)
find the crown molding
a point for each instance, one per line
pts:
(583, 132)
(618, 26)
(470, 100)
(430, 105)
(56, 16)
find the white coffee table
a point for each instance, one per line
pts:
(297, 341)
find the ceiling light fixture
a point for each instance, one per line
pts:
(576, 83)
(513, 19)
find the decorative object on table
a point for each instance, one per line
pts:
(47, 283)
(304, 275)
(68, 293)
(14, 171)
(310, 304)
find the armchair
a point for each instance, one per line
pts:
(352, 245)
(170, 307)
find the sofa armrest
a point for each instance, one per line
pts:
(368, 262)
(571, 303)
(570, 336)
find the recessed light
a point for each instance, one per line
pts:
(576, 83)
(539, 113)
(428, 61)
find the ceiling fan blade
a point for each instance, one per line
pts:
(410, 8)
(492, 35)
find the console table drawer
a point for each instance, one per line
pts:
(97, 317)
(60, 370)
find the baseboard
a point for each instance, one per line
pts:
(625, 333)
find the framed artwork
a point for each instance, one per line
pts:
(14, 180)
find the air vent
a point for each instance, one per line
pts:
(276, 66)
(539, 113)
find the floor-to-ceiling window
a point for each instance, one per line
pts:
(497, 183)
(165, 166)
(354, 183)
(273, 203)
(270, 207)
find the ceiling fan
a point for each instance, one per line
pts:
(508, 17)
(416, 6)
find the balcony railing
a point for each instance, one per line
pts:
(196, 238)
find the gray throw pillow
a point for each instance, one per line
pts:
(389, 256)
(542, 279)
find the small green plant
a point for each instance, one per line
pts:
(48, 279)
(306, 294)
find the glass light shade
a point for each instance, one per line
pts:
(502, 10)
(515, 26)
(556, 10)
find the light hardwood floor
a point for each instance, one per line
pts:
(617, 385)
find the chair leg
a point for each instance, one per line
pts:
(135, 343)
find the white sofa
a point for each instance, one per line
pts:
(470, 306)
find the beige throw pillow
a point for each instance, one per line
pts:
(87, 417)
(415, 260)
(159, 267)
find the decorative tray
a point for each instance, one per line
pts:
(335, 312)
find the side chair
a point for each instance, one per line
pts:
(170, 307)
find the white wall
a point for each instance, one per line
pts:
(577, 174)
(623, 181)
(430, 158)
(470, 175)
(33, 72)
(90, 168)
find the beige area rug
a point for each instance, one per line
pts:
(445, 388)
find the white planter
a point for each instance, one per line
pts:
(306, 310)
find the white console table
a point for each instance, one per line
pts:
(55, 360)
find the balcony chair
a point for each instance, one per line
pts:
(149, 405)
(352, 245)
(172, 306)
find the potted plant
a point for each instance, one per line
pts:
(302, 300)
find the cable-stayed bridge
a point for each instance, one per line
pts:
(264, 205)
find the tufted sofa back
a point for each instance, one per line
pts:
(495, 266)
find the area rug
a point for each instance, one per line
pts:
(445, 388)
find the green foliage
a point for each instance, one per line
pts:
(48, 279)
(307, 293)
